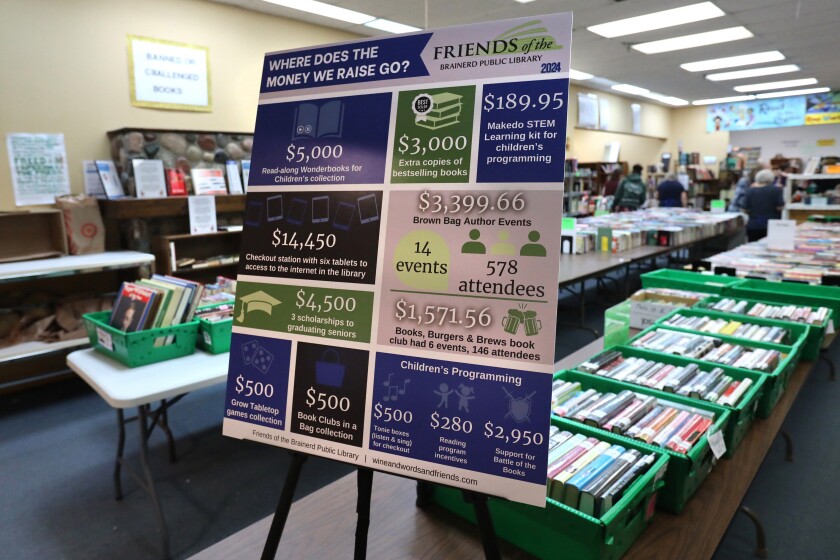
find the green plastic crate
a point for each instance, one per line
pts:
(214, 336)
(135, 349)
(686, 471)
(741, 415)
(685, 280)
(788, 292)
(559, 530)
(817, 335)
(777, 379)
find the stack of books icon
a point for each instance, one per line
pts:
(446, 109)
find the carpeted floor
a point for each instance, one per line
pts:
(56, 461)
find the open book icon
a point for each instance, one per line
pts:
(312, 121)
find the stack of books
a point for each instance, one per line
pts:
(446, 110)
(591, 475)
(646, 418)
(709, 384)
(795, 313)
(161, 301)
(738, 329)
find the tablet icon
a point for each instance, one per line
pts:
(368, 209)
(274, 208)
(344, 216)
(320, 209)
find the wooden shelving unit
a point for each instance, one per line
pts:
(169, 248)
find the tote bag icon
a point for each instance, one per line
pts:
(328, 370)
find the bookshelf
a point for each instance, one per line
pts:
(214, 254)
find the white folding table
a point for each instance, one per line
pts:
(123, 387)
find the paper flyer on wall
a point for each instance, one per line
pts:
(39, 167)
(397, 295)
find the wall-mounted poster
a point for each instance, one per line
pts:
(822, 108)
(761, 113)
(39, 167)
(168, 75)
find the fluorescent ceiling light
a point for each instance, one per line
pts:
(657, 20)
(732, 99)
(326, 10)
(523, 1)
(580, 76)
(733, 61)
(793, 92)
(667, 99)
(777, 85)
(391, 26)
(627, 88)
(695, 40)
(753, 72)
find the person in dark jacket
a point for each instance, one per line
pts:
(764, 201)
(671, 193)
(631, 192)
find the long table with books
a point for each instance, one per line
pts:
(323, 523)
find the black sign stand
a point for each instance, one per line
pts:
(364, 481)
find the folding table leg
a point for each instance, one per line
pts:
(164, 425)
(143, 420)
(120, 449)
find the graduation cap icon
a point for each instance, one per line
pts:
(258, 301)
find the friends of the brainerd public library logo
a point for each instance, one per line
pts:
(522, 39)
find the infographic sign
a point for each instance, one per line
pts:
(397, 296)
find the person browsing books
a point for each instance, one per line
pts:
(630, 194)
(763, 201)
(671, 193)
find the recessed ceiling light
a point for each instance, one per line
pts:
(733, 61)
(391, 26)
(627, 88)
(326, 10)
(657, 20)
(777, 85)
(523, 1)
(793, 92)
(695, 40)
(732, 99)
(753, 72)
(579, 76)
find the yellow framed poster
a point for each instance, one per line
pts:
(169, 75)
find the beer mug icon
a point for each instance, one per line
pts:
(510, 322)
(532, 325)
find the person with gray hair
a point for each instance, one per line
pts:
(764, 201)
(671, 193)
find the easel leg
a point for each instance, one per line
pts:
(761, 540)
(120, 450)
(143, 420)
(485, 524)
(365, 485)
(424, 494)
(283, 507)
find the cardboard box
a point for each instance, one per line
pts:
(646, 308)
(37, 235)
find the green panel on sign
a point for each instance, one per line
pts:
(433, 135)
(568, 224)
(718, 205)
(319, 312)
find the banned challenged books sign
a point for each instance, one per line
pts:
(397, 295)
